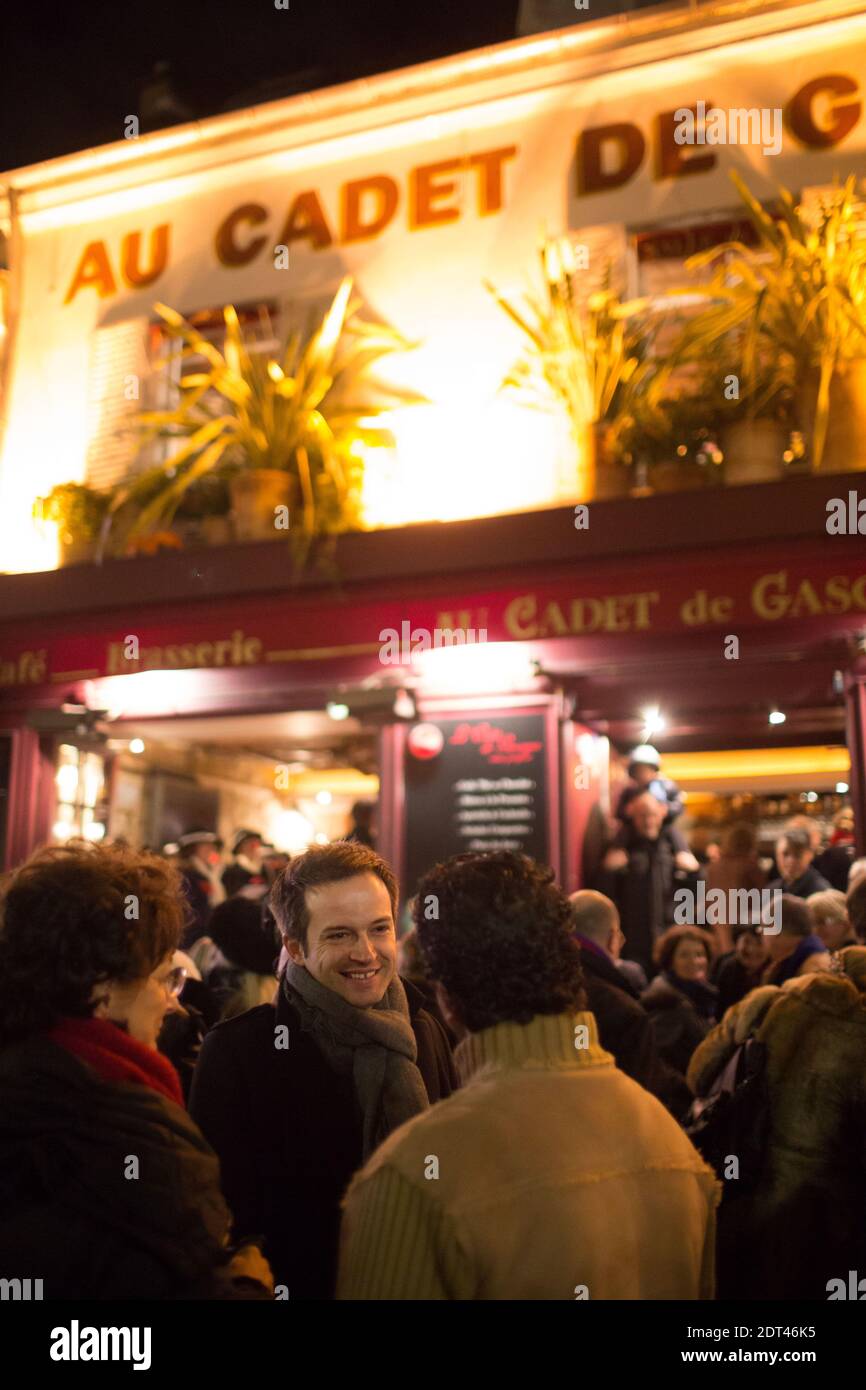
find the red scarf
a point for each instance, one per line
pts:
(115, 1056)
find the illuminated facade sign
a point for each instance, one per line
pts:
(422, 185)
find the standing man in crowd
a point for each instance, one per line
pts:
(363, 830)
(624, 1026)
(295, 1096)
(639, 878)
(797, 875)
(198, 862)
(247, 867)
(550, 1174)
(796, 949)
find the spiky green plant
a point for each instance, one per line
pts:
(580, 354)
(795, 305)
(302, 411)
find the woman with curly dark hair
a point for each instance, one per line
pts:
(550, 1174)
(107, 1188)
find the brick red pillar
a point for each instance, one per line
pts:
(31, 795)
(855, 717)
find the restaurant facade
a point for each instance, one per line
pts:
(483, 651)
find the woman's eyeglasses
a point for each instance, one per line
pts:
(175, 980)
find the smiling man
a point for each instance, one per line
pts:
(295, 1096)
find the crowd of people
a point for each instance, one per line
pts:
(239, 1082)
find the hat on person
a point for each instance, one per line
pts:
(241, 835)
(198, 837)
(243, 935)
(645, 755)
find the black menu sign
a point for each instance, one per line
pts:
(475, 783)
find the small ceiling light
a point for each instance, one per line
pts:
(777, 717)
(841, 788)
(337, 710)
(324, 798)
(653, 723)
(136, 745)
(811, 796)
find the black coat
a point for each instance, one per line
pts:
(678, 1025)
(734, 981)
(644, 892)
(834, 865)
(234, 877)
(803, 887)
(624, 1029)
(71, 1216)
(287, 1129)
(198, 891)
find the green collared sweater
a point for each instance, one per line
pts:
(549, 1175)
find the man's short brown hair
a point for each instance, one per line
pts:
(320, 865)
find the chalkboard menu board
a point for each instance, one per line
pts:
(475, 783)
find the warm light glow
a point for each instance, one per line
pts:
(148, 694)
(66, 781)
(92, 778)
(758, 769)
(653, 723)
(95, 830)
(336, 710)
(468, 457)
(478, 666)
(136, 745)
(324, 798)
(841, 788)
(473, 451)
(62, 830)
(25, 544)
(776, 716)
(289, 831)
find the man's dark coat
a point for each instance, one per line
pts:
(625, 1029)
(287, 1129)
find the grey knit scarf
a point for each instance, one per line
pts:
(375, 1046)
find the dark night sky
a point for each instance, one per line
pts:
(71, 71)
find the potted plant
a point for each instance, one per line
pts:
(750, 416)
(796, 304)
(280, 431)
(78, 511)
(579, 356)
(660, 435)
(204, 515)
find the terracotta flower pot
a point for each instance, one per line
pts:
(845, 442)
(677, 475)
(752, 451)
(216, 530)
(610, 478)
(255, 497)
(76, 552)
